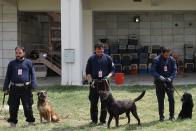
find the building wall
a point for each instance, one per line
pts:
(87, 37)
(154, 28)
(8, 33)
(128, 5)
(39, 5)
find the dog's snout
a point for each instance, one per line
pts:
(42, 94)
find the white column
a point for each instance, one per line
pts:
(88, 37)
(71, 36)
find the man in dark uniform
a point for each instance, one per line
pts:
(19, 82)
(99, 67)
(163, 70)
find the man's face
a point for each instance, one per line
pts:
(165, 55)
(19, 54)
(99, 51)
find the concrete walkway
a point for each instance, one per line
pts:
(144, 79)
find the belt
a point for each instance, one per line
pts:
(20, 84)
(98, 81)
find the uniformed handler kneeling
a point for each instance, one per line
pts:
(99, 67)
(19, 82)
(163, 70)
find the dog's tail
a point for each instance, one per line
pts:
(140, 96)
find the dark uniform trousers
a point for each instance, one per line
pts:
(161, 89)
(94, 98)
(24, 94)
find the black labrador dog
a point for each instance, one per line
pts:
(187, 106)
(118, 107)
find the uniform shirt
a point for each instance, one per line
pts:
(97, 64)
(20, 72)
(164, 67)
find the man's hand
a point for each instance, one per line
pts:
(162, 78)
(168, 80)
(92, 84)
(89, 78)
(6, 92)
(106, 78)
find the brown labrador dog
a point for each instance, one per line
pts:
(118, 107)
(45, 109)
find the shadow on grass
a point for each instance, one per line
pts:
(68, 128)
(88, 127)
(147, 124)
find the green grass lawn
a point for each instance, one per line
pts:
(73, 102)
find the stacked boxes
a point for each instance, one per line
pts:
(195, 59)
(122, 48)
(188, 57)
(106, 49)
(114, 49)
(143, 58)
(127, 69)
(118, 68)
(188, 53)
(106, 45)
(156, 49)
(139, 49)
(151, 57)
(117, 62)
(134, 69)
(131, 48)
(126, 59)
(122, 45)
(134, 58)
(189, 67)
(116, 58)
(149, 67)
(129, 56)
(126, 62)
(149, 49)
(132, 41)
(143, 68)
(145, 49)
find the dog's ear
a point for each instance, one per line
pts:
(45, 93)
(38, 93)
